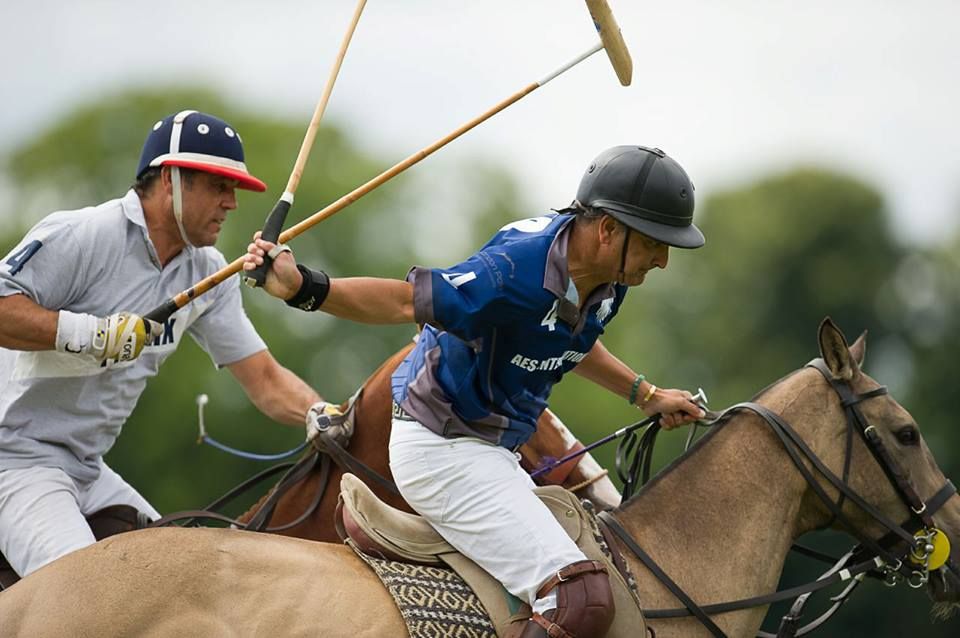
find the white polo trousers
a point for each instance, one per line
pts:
(42, 512)
(476, 495)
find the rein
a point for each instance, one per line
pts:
(326, 450)
(637, 458)
(878, 555)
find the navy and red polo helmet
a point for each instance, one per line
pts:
(191, 139)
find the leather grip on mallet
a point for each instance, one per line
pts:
(271, 232)
(161, 313)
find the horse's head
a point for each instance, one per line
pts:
(855, 424)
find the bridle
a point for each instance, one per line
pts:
(918, 532)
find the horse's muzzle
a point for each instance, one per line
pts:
(944, 584)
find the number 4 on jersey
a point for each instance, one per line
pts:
(550, 320)
(19, 258)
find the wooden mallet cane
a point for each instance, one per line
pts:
(610, 40)
(275, 220)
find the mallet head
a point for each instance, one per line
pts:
(612, 39)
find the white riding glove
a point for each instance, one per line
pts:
(119, 337)
(327, 417)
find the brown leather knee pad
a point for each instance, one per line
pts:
(585, 606)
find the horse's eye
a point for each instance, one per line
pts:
(908, 435)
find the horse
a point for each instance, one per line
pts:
(718, 521)
(313, 496)
(551, 441)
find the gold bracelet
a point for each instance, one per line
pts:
(648, 395)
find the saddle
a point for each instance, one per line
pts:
(103, 523)
(376, 529)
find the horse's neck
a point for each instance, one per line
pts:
(719, 523)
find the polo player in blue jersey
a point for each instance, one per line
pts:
(499, 330)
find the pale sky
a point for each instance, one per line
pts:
(733, 90)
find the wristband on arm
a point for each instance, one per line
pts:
(313, 291)
(635, 388)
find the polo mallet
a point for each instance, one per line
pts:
(275, 220)
(610, 39)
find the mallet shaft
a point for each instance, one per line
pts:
(278, 215)
(163, 312)
(314, 126)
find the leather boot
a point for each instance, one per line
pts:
(585, 607)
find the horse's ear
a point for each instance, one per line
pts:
(838, 357)
(859, 349)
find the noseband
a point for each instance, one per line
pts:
(918, 532)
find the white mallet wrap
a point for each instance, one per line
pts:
(278, 249)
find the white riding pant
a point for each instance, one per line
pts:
(476, 495)
(42, 512)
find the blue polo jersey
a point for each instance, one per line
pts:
(499, 330)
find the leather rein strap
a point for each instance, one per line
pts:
(661, 575)
(327, 450)
(798, 450)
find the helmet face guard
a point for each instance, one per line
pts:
(646, 190)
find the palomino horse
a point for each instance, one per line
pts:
(552, 440)
(719, 521)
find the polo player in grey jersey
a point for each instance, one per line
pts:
(69, 294)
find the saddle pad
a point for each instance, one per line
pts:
(434, 601)
(446, 599)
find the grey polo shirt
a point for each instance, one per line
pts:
(64, 410)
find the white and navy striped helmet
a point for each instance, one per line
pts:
(191, 139)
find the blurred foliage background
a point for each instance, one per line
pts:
(782, 252)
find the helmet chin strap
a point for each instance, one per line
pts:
(178, 120)
(621, 276)
(178, 203)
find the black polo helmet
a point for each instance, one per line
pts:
(646, 190)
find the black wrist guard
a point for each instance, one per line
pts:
(313, 291)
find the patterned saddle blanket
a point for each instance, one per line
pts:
(442, 593)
